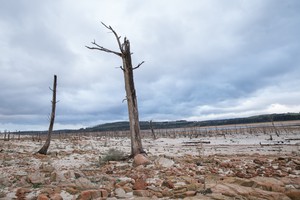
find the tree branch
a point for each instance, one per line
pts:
(120, 68)
(101, 48)
(116, 35)
(138, 65)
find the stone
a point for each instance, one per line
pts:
(268, 184)
(190, 193)
(141, 193)
(53, 177)
(164, 162)
(127, 189)
(140, 159)
(2, 194)
(140, 184)
(21, 193)
(47, 191)
(69, 174)
(4, 181)
(56, 197)
(154, 189)
(179, 190)
(260, 161)
(89, 194)
(166, 193)
(84, 183)
(233, 190)
(194, 186)
(72, 190)
(293, 194)
(179, 195)
(168, 184)
(157, 194)
(47, 168)
(121, 183)
(35, 178)
(120, 192)
(42, 197)
(21, 173)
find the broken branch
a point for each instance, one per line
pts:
(138, 65)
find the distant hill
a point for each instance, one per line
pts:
(124, 125)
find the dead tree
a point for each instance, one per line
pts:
(125, 54)
(44, 149)
(152, 130)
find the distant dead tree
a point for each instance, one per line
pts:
(44, 149)
(125, 54)
(273, 125)
(152, 130)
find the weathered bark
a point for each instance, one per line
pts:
(125, 54)
(136, 141)
(44, 149)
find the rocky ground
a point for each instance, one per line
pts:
(236, 167)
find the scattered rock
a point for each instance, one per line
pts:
(268, 184)
(140, 184)
(141, 193)
(56, 197)
(89, 194)
(35, 178)
(233, 190)
(120, 193)
(164, 162)
(293, 194)
(2, 194)
(47, 168)
(190, 193)
(140, 159)
(68, 176)
(84, 183)
(72, 190)
(42, 197)
(21, 193)
(168, 184)
(127, 189)
(4, 181)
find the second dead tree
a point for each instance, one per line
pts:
(125, 54)
(45, 147)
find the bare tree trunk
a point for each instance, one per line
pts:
(136, 141)
(44, 149)
(152, 130)
(125, 54)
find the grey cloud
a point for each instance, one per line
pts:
(204, 60)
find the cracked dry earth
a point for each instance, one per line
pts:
(172, 170)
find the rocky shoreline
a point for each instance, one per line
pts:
(76, 173)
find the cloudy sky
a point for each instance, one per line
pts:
(204, 59)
